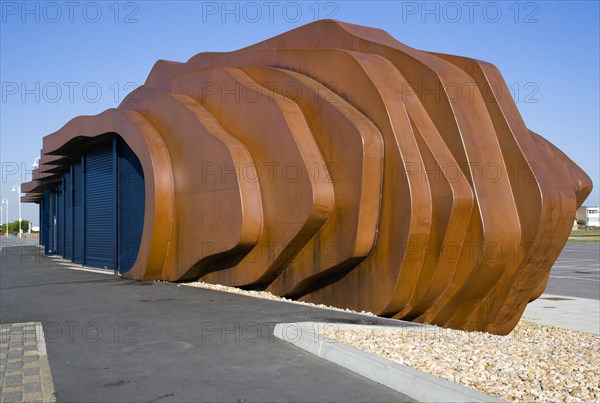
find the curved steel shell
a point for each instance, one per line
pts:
(336, 165)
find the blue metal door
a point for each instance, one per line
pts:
(60, 222)
(53, 222)
(100, 207)
(45, 221)
(68, 215)
(78, 221)
(131, 199)
(50, 222)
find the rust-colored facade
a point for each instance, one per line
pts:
(336, 165)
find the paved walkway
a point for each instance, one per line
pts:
(9, 241)
(24, 371)
(110, 339)
(571, 313)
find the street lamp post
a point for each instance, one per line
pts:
(5, 201)
(17, 188)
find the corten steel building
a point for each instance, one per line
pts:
(331, 164)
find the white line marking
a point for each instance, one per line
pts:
(41, 341)
(70, 267)
(576, 278)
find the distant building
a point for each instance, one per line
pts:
(581, 216)
(593, 216)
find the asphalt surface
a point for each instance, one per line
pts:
(110, 339)
(576, 272)
(8, 241)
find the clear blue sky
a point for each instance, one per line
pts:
(56, 56)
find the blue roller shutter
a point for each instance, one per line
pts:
(45, 221)
(100, 208)
(53, 233)
(68, 215)
(131, 199)
(78, 222)
(60, 220)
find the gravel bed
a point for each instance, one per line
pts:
(266, 295)
(533, 363)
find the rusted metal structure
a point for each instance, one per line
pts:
(335, 165)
